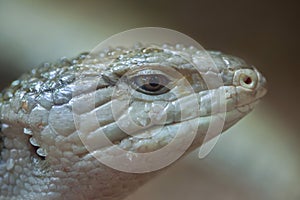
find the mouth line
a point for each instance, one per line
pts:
(249, 105)
(136, 135)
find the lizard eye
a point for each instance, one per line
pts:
(151, 84)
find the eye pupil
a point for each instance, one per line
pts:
(153, 84)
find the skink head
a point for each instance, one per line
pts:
(155, 90)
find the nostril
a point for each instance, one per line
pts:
(247, 80)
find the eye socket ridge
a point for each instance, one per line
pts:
(151, 84)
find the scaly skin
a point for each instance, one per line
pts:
(43, 114)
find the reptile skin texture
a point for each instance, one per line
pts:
(44, 154)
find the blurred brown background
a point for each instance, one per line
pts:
(256, 159)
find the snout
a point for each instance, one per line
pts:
(261, 86)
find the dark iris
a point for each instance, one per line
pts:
(152, 87)
(151, 84)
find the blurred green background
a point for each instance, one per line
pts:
(256, 159)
